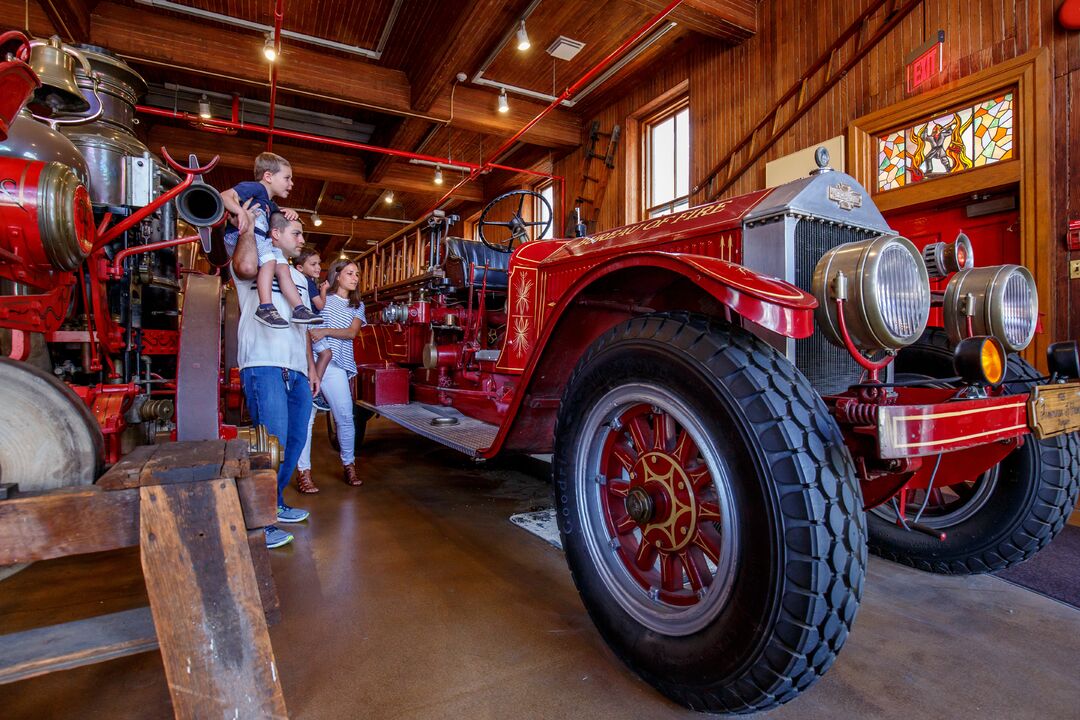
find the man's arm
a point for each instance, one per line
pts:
(245, 259)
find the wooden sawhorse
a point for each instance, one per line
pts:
(197, 511)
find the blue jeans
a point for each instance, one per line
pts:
(280, 399)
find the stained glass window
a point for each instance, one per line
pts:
(948, 144)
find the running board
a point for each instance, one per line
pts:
(467, 435)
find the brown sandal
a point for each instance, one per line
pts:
(304, 483)
(350, 477)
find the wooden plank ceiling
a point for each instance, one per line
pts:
(408, 93)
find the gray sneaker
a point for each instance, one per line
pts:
(302, 315)
(276, 537)
(268, 315)
(288, 514)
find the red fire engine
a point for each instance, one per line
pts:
(740, 400)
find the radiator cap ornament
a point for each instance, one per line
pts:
(821, 157)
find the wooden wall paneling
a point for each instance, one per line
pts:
(13, 15)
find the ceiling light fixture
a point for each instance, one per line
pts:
(504, 104)
(438, 175)
(204, 108)
(523, 37)
(389, 197)
(315, 219)
(269, 48)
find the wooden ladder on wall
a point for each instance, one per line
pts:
(596, 170)
(851, 46)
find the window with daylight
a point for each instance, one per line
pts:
(666, 152)
(541, 213)
(969, 137)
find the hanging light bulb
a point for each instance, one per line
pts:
(523, 37)
(389, 197)
(504, 104)
(438, 175)
(342, 256)
(268, 48)
(316, 220)
(204, 108)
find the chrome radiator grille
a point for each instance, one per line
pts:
(829, 368)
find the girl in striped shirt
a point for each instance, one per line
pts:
(343, 316)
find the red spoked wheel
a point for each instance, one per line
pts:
(661, 504)
(709, 512)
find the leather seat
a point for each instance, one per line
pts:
(462, 254)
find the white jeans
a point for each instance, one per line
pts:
(335, 388)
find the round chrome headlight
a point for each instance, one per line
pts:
(1001, 300)
(886, 290)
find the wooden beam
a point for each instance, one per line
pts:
(239, 151)
(475, 109)
(406, 136)
(360, 228)
(419, 179)
(730, 20)
(332, 164)
(480, 25)
(70, 645)
(71, 18)
(156, 38)
(71, 521)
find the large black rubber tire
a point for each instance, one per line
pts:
(799, 569)
(360, 419)
(1036, 489)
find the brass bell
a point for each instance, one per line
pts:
(55, 66)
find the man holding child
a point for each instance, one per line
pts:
(277, 368)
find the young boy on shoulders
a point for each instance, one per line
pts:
(252, 204)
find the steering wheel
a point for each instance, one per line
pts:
(516, 225)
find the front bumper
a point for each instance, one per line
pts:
(908, 431)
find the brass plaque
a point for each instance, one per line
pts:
(1054, 409)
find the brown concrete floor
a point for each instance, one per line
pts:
(414, 597)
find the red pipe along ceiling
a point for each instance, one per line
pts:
(323, 140)
(597, 69)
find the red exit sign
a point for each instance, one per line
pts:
(925, 63)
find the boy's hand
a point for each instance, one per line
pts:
(244, 219)
(289, 214)
(324, 287)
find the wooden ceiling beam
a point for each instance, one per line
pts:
(482, 23)
(730, 20)
(420, 179)
(71, 18)
(330, 165)
(239, 152)
(156, 38)
(344, 227)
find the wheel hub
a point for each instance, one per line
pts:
(671, 523)
(640, 506)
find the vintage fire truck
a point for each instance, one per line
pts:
(740, 400)
(98, 246)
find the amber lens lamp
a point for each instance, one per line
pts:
(980, 361)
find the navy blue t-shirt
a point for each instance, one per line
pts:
(254, 190)
(313, 292)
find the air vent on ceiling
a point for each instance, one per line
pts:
(564, 48)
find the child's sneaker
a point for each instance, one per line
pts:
(319, 403)
(301, 314)
(268, 315)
